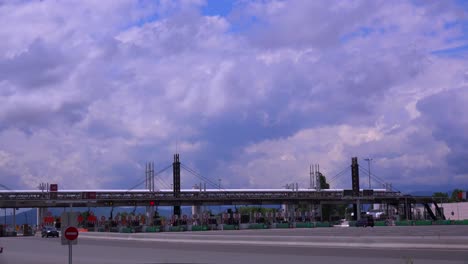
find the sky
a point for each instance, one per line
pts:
(249, 93)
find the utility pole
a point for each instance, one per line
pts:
(311, 174)
(368, 163)
(152, 177)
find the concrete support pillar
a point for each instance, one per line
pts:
(196, 209)
(38, 216)
(410, 211)
(14, 218)
(358, 205)
(387, 207)
(149, 215)
(405, 210)
(355, 212)
(284, 207)
(41, 213)
(311, 211)
(292, 212)
(320, 212)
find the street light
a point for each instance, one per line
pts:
(368, 163)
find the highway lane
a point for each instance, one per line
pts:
(407, 231)
(327, 245)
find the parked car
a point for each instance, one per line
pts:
(366, 221)
(49, 231)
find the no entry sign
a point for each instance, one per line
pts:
(71, 233)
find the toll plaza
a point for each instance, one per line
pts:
(299, 207)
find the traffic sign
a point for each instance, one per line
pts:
(71, 233)
(68, 219)
(69, 237)
(53, 187)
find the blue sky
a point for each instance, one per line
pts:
(249, 92)
(218, 7)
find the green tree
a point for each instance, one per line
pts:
(323, 182)
(327, 209)
(440, 195)
(454, 196)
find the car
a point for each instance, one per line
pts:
(365, 221)
(49, 231)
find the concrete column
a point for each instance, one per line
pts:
(410, 211)
(292, 212)
(284, 207)
(38, 216)
(14, 218)
(320, 211)
(358, 205)
(196, 209)
(309, 208)
(149, 215)
(406, 209)
(41, 213)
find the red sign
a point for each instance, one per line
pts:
(71, 233)
(48, 220)
(92, 219)
(53, 187)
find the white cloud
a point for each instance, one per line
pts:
(107, 86)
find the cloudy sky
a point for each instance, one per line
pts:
(249, 92)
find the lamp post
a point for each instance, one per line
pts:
(368, 164)
(219, 185)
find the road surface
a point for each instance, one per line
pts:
(402, 245)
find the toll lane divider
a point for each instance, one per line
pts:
(379, 223)
(322, 224)
(304, 225)
(258, 226)
(230, 227)
(200, 228)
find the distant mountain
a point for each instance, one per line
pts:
(421, 193)
(30, 216)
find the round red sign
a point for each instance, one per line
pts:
(71, 233)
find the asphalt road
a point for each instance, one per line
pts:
(402, 245)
